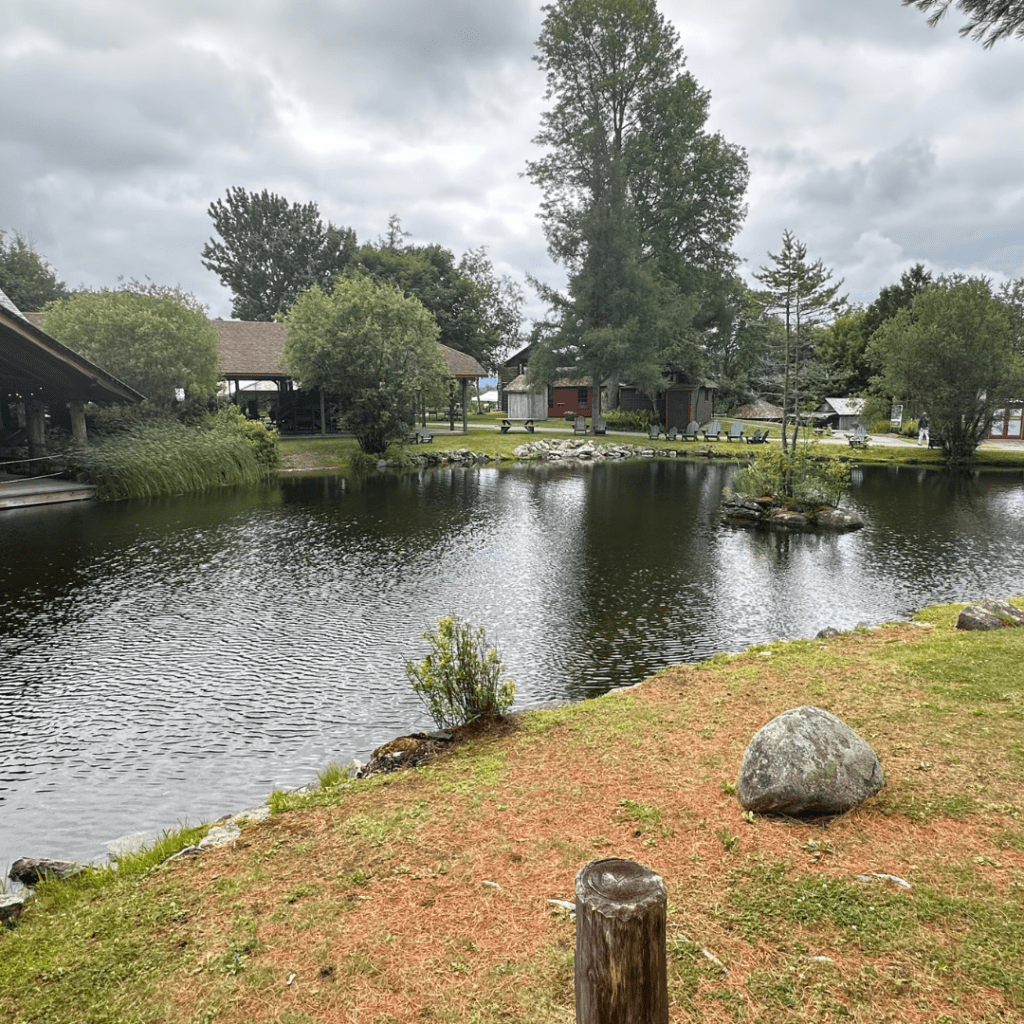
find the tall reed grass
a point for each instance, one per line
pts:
(163, 456)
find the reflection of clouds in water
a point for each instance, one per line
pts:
(250, 642)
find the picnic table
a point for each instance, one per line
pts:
(507, 425)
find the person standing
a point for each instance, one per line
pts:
(922, 429)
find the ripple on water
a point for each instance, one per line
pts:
(178, 659)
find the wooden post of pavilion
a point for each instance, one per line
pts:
(35, 423)
(78, 431)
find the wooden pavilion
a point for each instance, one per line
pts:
(251, 365)
(38, 374)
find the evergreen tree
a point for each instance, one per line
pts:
(990, 20)
(802, 296)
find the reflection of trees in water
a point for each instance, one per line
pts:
(650, 534)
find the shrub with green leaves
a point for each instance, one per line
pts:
(802, 474)
(460, 680)
(634, 419)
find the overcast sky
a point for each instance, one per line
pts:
(878, 141)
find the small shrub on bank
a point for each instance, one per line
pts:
(460, 680)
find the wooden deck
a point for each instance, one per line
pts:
(19, 492)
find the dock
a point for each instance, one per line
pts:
(21, 491)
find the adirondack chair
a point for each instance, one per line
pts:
(713, 431)
(691, 431)
(580, 426)
(423, 435)
(600, 425)
(672, 433)
(735, 432)
(859, 438)
(654, 431)
(757, 437)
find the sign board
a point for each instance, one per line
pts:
(896, 420)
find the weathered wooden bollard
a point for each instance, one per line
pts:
(621, 974)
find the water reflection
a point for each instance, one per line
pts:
(178, 658)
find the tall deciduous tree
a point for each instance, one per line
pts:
(271, 250)
(952, 353)
(25, 277)
(990, 20)
(476, 312)
(1012, 295)
(802, 296)
(373, 347)
(844, 346)
(629, 168)
(737, 337)
(154, 338)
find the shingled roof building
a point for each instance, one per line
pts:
(251, 364)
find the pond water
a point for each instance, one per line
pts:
(176, 660)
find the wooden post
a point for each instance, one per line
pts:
(35, 415)
(78, 431)
(621, 971)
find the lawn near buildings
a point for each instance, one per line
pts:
(424, 895)
(484, 437)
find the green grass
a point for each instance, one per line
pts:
(162, 457)
(778, 904)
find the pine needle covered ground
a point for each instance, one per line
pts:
(424, 895)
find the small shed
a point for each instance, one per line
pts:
(569, 396)
(526, 402)
(840, 413)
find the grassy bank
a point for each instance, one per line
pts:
(423, 896)
(336, 453)
(138, 457)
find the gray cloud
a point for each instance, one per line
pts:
(876, 140)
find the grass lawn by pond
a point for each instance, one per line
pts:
(484, 437)
(366, 902)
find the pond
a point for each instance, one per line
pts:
(176, 660)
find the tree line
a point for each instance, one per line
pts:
(641, 205)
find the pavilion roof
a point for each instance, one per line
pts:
(33, 363)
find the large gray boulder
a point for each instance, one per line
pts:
(990, 614)
(32, 870)
(807, 763)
